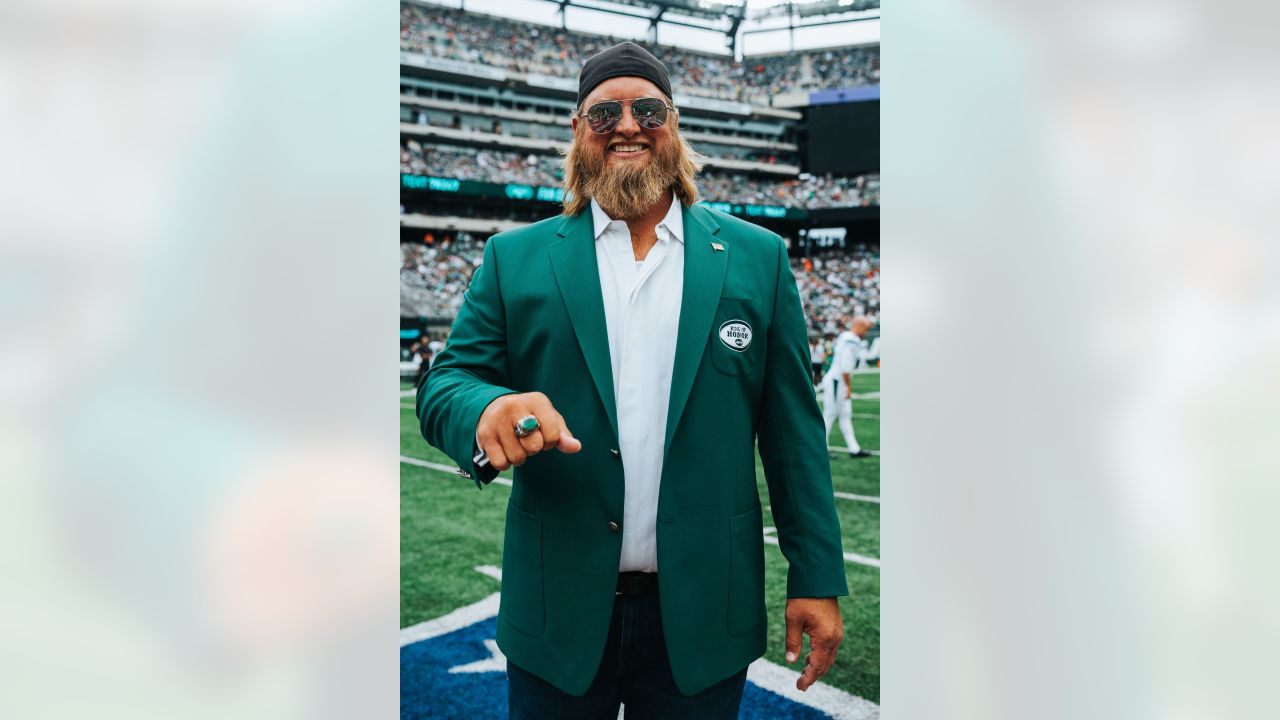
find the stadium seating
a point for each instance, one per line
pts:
(834, 285)
(499, 166)
(530, 48)
(435, 272)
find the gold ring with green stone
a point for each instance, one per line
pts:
(526, 426)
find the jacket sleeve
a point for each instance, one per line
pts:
(469, 373)
(793, 449)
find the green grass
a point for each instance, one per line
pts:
(447, 528)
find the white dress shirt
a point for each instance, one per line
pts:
(642, 314)
(642, 317)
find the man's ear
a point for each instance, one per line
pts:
(573, 123)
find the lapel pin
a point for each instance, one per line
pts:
(717, 247)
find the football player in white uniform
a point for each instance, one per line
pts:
(837, 392)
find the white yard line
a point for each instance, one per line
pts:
(456, 620)
(445, 468)
(848, 557)
(770, 676)
(832, 701)
(408, 393)
(855, 416)
(863, 498)
(506, 481)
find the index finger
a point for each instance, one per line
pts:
(555, 433)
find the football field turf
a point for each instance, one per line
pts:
(448, 528)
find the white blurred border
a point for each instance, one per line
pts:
(1081, 267)
(197, 292)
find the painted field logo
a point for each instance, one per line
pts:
(452, 667)
(736, 335)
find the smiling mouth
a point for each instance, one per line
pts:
(628, 149)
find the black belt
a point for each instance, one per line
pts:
(636, 583)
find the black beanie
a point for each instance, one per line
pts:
(626, 59)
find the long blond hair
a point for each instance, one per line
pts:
(688, 165)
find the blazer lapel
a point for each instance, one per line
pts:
(573, 259)
(704, 270)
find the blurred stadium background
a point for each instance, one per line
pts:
(783, 100)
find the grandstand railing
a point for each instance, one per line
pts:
(555, 147)
(462, 68)
(562, 119)
(453, 222)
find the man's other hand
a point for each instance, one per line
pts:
(497, 430)
(820, 619)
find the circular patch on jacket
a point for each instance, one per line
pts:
(736, 335)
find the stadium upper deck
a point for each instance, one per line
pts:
(450, 34)
(485, 106)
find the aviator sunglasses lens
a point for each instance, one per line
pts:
(604, 116)
(649, 113)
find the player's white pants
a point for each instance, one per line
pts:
(835, 404)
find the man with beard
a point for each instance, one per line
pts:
(670, 338)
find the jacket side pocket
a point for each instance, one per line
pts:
(746, 609)
(523, 606)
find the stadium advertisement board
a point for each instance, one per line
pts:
(765, 211)
(542, 193)
(843, 95)
(513, 191)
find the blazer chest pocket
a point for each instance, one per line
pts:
(737, 336)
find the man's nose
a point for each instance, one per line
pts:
(627, 125)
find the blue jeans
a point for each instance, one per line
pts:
(634, 671)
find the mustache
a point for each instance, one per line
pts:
(629, 189)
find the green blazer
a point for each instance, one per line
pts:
(533, 319)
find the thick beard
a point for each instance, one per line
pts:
(628, 190)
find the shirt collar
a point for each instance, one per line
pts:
(673, 222)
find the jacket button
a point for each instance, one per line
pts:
(614, 526)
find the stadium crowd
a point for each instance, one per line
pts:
(532, 48)
(814, 70)
(500, 166)
(808, 191)
(435, 272)
(838, 285)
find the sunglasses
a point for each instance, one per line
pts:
(650, 114)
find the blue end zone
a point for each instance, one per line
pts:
(429, 690)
